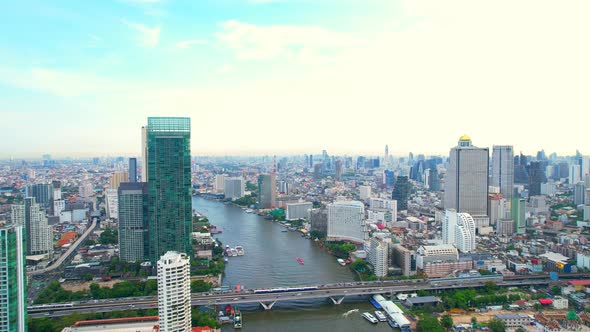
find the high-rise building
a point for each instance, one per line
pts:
(338, 169)
(117, 177)
(466, 184)
(364, 193)
(132, 169)
(379, 255)
(579, 190)
(39, 234)
(401, 192)
(42, 192)
(433, 180)
(267, 191)
(169, 186)
(389, 178)
(459, 229)
(112, 203)
(86, 189)
(346, 221)
(505, 227)
(219, 183)
(174, 292)
(503, 169)
(499, 208)
(13, 290)
(133, 221)
(234, 187)
(536, 177)
(574, 174)
(517, 208)
(300, 210)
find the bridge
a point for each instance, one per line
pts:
(335, 292)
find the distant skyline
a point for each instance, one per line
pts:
(263, 77)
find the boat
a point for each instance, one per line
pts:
(237, 319)
(233, 252)
(249, 210)
(374, 303)
(393, 324)
(380, 316)
(240, 250)
(370, 318)
(341, 261)
(300, 260)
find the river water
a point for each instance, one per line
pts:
(270, 261)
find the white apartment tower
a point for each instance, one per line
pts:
(459, 230)
(379, 255)
(233, 187)
(39, 235)
(174, 292)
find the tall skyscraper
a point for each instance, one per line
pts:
(169, 185)
(503, 169)
(117, 177)
(459, 229)
(132, 169)
(39, 234)
(401, 192)
(174, 292)
(466, 184)
(433, 180)
(13, 291)
(517, 208)
(346, 221)
(574, 174)
(536, 178)
(42, 192)
(133, 221)
(234, 187)
(267, 191)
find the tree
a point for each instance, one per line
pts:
(497, 325)
(474, 321)
(429, 324)
(555, 290)
(447, 321)
(520, 329)
(199, 286)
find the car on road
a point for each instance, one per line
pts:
(235, 298)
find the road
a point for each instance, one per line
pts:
(335, 292)
(67, 254)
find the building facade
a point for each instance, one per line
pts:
(174, 292)
(518, 212)
(267, 191)
(295, 211)
(169, 185)
(133, 221)
(132, 169)
(379, 255)
(112, 202)
(346, 221)
(234, 187)
(13, 302)
(39, 235)
(117, 178)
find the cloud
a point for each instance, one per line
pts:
(226, 68)
(140, 2)
(189, 43)
(147, 37)
(253, 42)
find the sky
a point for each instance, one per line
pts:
(80, 78)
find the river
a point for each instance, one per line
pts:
(270, 261)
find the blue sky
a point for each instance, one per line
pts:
(292, 76)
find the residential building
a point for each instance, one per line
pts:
(378, 255)
(536, 177)
(444, 252)
(364, 193)
(319, 220)
(574, 174)
(514, 320)
(579, 192)
(503, 169)
(42, 192)
(401, 192)
(346, 221)
(13, 292)
(219, 183)
(459, 230)
(466, 183)
(234, 187)
(267, 191)
(86, 189)
(499, 208)
(174, 292)
(295, 211)
(39, 235)
(505, 227)
(133, 221)
(405, 259)
(169, 186)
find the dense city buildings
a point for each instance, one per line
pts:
(169, 185)
(133, 221)
(503, 169)
(466, 183)
(13, 303)
(39, 235)
(174, 292)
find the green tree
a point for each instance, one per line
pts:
(555, 290)
(520, 329)
(474, 321)
(428, 323)
(497, 325)
(447, 321)
(199, 286)
(109, 236)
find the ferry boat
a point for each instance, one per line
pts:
(233, 252)
(300, 260)
(240, 250)
(393, 324)
(380, 316)
(370, 318)
(341, 261)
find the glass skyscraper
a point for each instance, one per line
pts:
(13, 304)
(167, 152)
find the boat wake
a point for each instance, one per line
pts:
(349, 312)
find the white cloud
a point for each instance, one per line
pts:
(147, 36)
(252, 42)
(226, 68)
(189, 43)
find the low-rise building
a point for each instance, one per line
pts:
(514, 320)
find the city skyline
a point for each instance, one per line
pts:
(287, 74)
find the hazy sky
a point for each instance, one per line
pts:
(294, 76)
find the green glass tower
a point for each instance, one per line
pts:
(13, 303)
(517, 209)
(167, 152)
